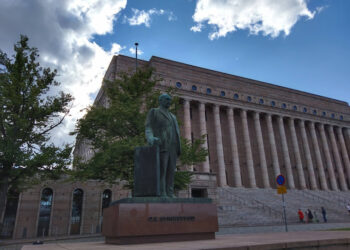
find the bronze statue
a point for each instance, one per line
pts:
(162, 129)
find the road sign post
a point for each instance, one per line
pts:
(281, 189)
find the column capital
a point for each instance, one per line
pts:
(291, 121)
(230, 110)
(256, 115)
(244, 112)
(302, 124)
(330, 127)
(321, 126)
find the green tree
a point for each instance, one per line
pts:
(115, 129)
(28, 114)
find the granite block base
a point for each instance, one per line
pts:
(143, 222)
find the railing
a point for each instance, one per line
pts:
(315, 196)
(253, 203)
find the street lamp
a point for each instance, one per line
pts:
(136, 44)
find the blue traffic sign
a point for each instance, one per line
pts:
(280, 180)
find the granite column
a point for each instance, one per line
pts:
(262, 157)
(219, 148)
(203, 132)
(234, 148)
(248, 149)
(338, 162)
(286, 158)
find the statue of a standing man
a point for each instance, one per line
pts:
(162, 129)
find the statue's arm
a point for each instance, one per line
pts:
(148, 130)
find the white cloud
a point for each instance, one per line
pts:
(269, 17)
(62, 31)
(133, 51)
(116, 48)
(140, 17)
(197, 28)
(319, 9)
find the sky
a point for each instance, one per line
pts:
(299, 44)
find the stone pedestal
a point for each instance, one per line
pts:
(148, 220)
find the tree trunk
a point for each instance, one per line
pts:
(3, 199)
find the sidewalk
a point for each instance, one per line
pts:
(224, 233)
(281, 228)
(311, 239)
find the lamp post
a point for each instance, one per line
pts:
(136, 44)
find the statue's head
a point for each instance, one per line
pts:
(165, 100)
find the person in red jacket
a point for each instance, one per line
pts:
(301, 216)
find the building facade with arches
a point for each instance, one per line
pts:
(59, 208)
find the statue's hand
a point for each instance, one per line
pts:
(154, 141)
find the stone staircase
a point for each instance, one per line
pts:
(254, 207)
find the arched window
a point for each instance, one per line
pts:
(10, 215)
(194, 87)
(77, 209)
(222, 93)
(106, 198)
(236, 96)
(178, 84)
(45, 212)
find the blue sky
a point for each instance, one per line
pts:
(300, 44)
(314, 57)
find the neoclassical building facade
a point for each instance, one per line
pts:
(253, 131)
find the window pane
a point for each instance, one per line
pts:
(45, 212)
(77, 208)
(10, 215)
(106, 198)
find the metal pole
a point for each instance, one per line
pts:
(136, 44)
(284, 213)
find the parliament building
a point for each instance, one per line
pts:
(254, 131)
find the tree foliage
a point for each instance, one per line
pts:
(116, 128)
(28, 114)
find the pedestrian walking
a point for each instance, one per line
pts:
(309, 215)
(306, 216)
(324, 214)
(348, 207)
(316, 218)
(301, 216)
